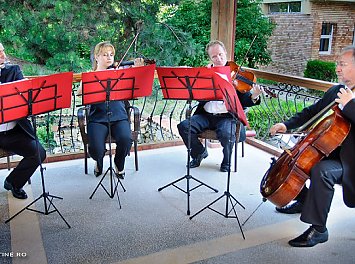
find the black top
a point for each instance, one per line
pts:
(98, 112)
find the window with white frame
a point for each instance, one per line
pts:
(354, 35)
(326, 37)
(285, 7)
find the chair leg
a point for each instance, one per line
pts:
(235, 156)
(86, 159)
(8, 162)
(136, 154)
(242, 149)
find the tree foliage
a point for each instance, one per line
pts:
(251, 23)
(61, 33)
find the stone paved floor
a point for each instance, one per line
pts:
(153, 227)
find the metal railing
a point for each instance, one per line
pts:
(59, 132)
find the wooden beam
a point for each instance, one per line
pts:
(223, 22)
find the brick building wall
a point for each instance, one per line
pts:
(290, 43)
(343, 16)
(296, 37)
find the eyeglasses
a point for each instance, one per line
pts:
(341, 64)
(344, 64)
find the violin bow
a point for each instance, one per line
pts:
(310, 122)
(139, 26)
(246, 54)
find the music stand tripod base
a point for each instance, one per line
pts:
(113, 184)
(46, 211)
(188, 84)
(230, 199)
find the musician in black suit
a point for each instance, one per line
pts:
(214, 115)
(339, 167)
(18, 137)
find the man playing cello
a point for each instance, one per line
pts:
(339, 167)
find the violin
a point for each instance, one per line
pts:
(245, 79)
(141, 62)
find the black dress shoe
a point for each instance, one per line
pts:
(294, 208)
(309, 238)
(120, 175)
(16, 192)
(224, 167)
(197, 161)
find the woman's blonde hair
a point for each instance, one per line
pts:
(99, 48)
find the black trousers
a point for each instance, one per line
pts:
(324, 175)
(19, 142)
(223, 124)
(120, 131)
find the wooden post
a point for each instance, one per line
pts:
(223, 22)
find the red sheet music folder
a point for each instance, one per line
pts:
(230, 97)
(203, 80)
(125, 84)
(207, 84)
(49, 93)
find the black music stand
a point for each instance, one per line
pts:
(234, 107)
(189, 84)
(28, 98)
(112, 85)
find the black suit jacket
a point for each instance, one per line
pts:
(347, 149)
(13, 73)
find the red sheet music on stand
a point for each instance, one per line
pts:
(125, 84)
(207, 84)
(203, 80)
(49, 93)
(230, 97)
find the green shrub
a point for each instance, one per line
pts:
(321, 70)
(268, 113)
(47, 141)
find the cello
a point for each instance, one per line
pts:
(288, 174)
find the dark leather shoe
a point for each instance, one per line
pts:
(18, 193)
(98, 168)
(224, 167)
(120, 175)
(309, 238)
(294, 208)
(197, 161)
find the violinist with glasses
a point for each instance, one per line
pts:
(339, 166)
(214, 115)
